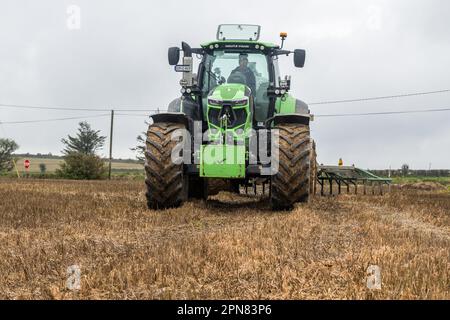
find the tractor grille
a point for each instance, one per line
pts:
(236, 116)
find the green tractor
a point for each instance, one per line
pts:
(235, 125)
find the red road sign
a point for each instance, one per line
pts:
(27, 164)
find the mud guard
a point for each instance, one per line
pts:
(289, 118)
(173, 117)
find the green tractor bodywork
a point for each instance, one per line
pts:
(285, 105)
(252, 98)
(224, 160)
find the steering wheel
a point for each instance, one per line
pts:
(237, 77)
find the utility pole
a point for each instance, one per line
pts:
(110, 144)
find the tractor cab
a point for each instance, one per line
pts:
(237, 62)
(240, 70)
(235, 70)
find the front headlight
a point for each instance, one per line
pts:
(214, 102)
(241, 102)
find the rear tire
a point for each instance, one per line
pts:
(291, 183)
(166, 183)
(313, 170)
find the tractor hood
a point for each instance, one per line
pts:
(230, 91)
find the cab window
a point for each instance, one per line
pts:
(250, 69)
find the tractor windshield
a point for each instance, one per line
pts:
(250, 69)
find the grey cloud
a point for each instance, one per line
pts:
(118, 58)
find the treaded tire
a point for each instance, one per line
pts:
(313, 171)
(166, 184)
(291, 183)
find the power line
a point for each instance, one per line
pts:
(57, 119)
(68, 118)
(339, 115)
(133, 115)
(147, 108)
(317, 116)
(138, 110)
(381, 113)
(380, 98)
(16, 106)
(48, 108)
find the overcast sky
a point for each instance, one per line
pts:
(118, 59)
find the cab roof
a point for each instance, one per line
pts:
(247, 43)
(238, 37)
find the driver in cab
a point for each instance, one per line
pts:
(246, 71)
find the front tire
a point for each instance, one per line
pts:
(291, 183)
(165, 180)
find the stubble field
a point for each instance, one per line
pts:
(232, 247)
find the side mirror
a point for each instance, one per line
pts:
(174, 55)
(299, 58)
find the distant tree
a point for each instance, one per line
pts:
(87, 141)
(80, 160)
(405, 169)
(81, 166)
(7, 148)
(43, 168)
(140, 148)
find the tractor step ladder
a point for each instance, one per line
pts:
(350, 176)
